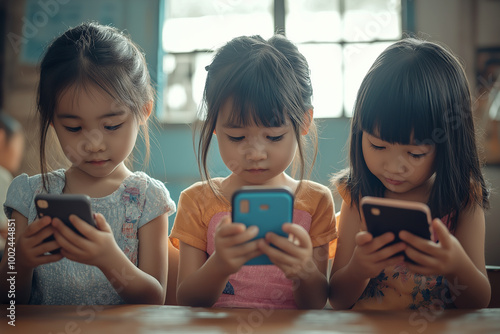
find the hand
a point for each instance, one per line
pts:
(442, 258)
(31, 250)
(293, 255)
(233, 247)
(370, 256)
(97, 247)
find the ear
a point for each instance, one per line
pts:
(307, 122)
(147, 109)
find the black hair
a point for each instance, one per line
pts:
(417, 90)
(97, 55)
(269, 84)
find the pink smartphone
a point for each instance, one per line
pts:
(383, 215)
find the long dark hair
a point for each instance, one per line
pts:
(418, 90)
(269, 83)
(92, 54)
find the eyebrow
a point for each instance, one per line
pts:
(110, 114)
(410, 144)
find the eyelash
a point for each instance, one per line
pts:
(417, 156)
(109, 128)
(378, 148)
(414, 156)
(271, 138)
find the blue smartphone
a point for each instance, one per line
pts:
(268, 208)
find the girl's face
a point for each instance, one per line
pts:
(256, 155)
(96, 132)
(400, 168)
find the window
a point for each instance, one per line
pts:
(339, 38)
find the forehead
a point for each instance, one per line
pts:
(87, 100)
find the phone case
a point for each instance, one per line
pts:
(62, 206)
(383, 215)
(267, 208)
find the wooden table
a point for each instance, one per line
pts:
(146, 319)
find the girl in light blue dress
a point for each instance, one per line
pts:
(95, 93)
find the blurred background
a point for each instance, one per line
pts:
(340, 39)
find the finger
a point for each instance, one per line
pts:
(37, 225)
(241, 238)
(275, 254)
(85, 228)
(67, 238)
(389, 251)
(423, 259)
(44, 259)
(101, 223)
(299, 234)
(363, 238)
(380, 241)
(46, 247)
(245, 248)
(441, 233)
(226, 230)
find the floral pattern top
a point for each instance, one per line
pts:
(137, 201)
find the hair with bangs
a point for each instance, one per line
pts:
(416, 92)
(92, 55)
(269, 85)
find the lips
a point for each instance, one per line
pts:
(97, 162)
(394, 182)
(256, 170)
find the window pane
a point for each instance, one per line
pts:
(312, 20)
(184, 81)
(325, 63)
(358, 58)
(368, 20)
(192, 25)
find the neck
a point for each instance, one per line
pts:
(78, 182)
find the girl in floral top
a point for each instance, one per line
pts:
(412, 138)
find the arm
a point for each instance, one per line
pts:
(145, 284)
(459, 258)
(201, 280)
(30, 252)
(358, 258)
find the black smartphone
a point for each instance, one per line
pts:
(62, 206)
(268, 208)
(383, 215)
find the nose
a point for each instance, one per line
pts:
(256, 150)
(93, 141)
(397, 165)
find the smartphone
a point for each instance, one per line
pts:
(268, 208)
(62, 206)
(383, 215)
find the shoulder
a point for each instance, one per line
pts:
(313, 195)
(55, 180)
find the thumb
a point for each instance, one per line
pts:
(440, 232)
(101, 223)
(363, 237)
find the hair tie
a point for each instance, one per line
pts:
(207, 68)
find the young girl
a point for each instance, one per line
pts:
(258, 97)
(412, 138)
(95, 92)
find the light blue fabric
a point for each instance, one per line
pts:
(138, 200)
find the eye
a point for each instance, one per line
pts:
(375, 147)
(113, 127)
(275, 138)
(236, 139)
(73, 129)
(417, 156)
